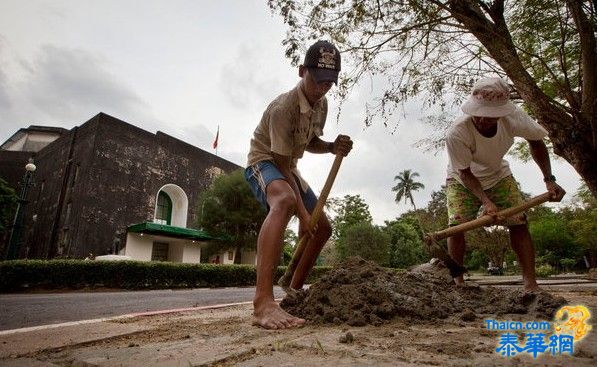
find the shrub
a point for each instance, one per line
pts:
(76, 274)
(544, 271)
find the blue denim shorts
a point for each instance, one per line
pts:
(262, 173)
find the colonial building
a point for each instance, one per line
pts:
(108, 187)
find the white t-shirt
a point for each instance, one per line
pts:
(466, 147)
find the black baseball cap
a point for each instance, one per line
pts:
(323, 60)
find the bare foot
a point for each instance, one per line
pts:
(459, 282)
(530, 285)
(269, 315)
(531, 288)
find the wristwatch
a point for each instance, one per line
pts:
(550, 178)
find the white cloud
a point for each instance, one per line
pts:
(66, 82)
(65, 87)
(187, 67)
(251, 78)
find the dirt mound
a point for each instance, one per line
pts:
(359, 292)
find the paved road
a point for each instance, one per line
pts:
(26, 310)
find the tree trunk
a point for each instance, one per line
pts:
(573, 134)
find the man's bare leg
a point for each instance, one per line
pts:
(266, 311)
(311, 252)
(521, 242)
(456, 249)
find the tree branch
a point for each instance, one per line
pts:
(587, 38)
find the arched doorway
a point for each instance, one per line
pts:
(171, 206)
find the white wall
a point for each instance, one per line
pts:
(192, 253)
(37, 137)
(224, 257)
(184, 251)
(139, 247)
(247, 257)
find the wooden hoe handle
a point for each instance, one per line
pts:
(488, 220)
(285, 280)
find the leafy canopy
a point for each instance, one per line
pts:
(227, 209)
(406, 246)
(364, 240)
(349, 210)
(437, 49)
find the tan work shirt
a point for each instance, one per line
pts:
(287, 126)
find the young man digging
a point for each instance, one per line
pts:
(291, 125)
(478, 175)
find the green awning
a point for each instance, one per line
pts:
(170, 231)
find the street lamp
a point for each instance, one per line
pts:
(14, 243)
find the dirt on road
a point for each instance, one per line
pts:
(382, 319)
(359, 292)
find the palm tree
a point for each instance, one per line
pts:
(407, 186)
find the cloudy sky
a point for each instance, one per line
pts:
(187, 67)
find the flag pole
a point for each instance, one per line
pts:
(215, 143)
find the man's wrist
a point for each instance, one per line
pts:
(549, 178)
(330, 147)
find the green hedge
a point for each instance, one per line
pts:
(18, 275)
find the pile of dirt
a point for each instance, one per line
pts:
(359, 292)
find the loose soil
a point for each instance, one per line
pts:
(359, 292)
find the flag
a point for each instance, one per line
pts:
(215, 143)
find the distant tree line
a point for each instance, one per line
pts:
(565, 238)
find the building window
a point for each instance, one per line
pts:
(160, 251)
(163, 208)
(231, 255)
